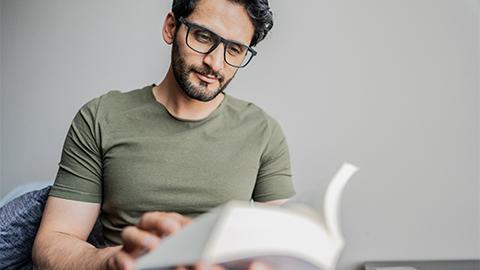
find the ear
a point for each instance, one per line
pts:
(169, 28)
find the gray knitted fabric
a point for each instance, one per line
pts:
(19, 222)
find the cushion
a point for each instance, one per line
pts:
(20, 219)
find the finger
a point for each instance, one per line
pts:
(173, 215)
(183, 219)
(137, 242)
(217, 267)
(256, 265)
(204, 266)
(162, 223)
(123, 261)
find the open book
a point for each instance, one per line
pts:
(284, 238)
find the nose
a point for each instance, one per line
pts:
(215, 59)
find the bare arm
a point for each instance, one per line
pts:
(61, 239)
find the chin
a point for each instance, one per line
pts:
(206, 88)
(201, 93)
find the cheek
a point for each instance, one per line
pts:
(190, 57)
(228, 74)
(194, 59)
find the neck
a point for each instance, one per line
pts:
(169, 93)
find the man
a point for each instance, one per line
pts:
(148, 160)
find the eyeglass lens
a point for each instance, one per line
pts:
(203, 41)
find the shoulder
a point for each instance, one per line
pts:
(250, 114)
(115, 102)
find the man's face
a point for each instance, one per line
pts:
(202, 76)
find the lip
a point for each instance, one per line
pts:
(205, 78)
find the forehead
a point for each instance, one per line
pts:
(224, 17)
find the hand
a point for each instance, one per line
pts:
(245, 265)
(143, 238)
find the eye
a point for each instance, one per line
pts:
(203, 36)
(235, 50)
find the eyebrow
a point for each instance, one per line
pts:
(208, 29)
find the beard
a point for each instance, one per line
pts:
(199, 92)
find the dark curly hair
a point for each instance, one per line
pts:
(258, 10)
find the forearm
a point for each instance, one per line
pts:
(56, 250)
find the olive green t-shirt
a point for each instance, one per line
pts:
(127, 152)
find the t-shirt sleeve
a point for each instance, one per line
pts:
(274, 179)
(80, 169)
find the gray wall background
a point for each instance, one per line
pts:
(391, 86)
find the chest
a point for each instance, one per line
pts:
(185, 172)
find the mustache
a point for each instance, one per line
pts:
(206, 70)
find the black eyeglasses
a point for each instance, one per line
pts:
(204, 41)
